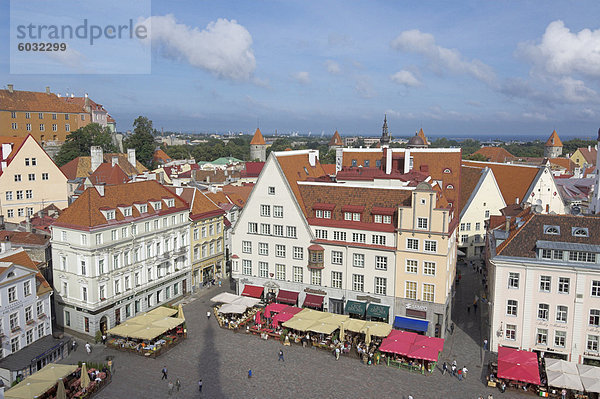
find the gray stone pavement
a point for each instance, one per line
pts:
(222, 359)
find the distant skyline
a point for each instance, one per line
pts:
(455, 69)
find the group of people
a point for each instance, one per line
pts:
(455, 371)
(177, 384)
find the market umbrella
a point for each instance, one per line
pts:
(180, 312)
(224, 297)
(60, 390)
(342, 332)
(368, 337)
(257, 317)
(564, 380)
(85, 378)
(233, 308)
(590, 377)
(27, 390)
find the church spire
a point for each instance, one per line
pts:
(385, 136)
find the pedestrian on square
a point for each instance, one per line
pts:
(170, 385)
(200, 385)
(74, 346)
(460, 375)
(485, 344)
(164, 373)
(208, 314)
(250, 373)
(464, 371)
(468, 309)
(563, 394)
(444, 368)
(103, 339)
(88, 348)
(490, 396)
(281, 356)
(453, 368)
(337, 353)
(177, 384)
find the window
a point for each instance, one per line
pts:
(280, 272)
(428, 292)
(347, 215)
(298, 253)
(40, 308)
(378, 239)
(545, 283)
(14, 126)
(20, 212)
(19, 194)
(563, 285)
(280, 251)
(358, 282)
(487, 214)
(412, 266)
(247, 247)
(265, 210)
(381, 262)
(67, 127)
(477, 226)
(278, 230)
(42, 127)
(271, 190)
(298, 274)
(54, 127)
(511, 332)
(422, 223)
(595, 288)
(252, 227)
(592, 343)
(263, 248)
(29, 337)
(113, 235)
(511, 307)
(9, 195)
(559, 338)
(579, 232)
(380, 285)
(83, 239)
(387, 219)
(28, 127)
(429, 268)
(13, 114)
(277, 211)
(464, 238)
(83, 268)
(14, 344)
(595, 317)
(412, 243)
(430, 246)
(561, 313)
(17, 178)
(12, 294)
(543, 309)
(542, 336)
(27, 288)
(10, 213)
(116, 261)
(336, 257)
(336, 279)
(411, 290)
(513, 280)
(265, 229)
(359, 237)
(28, 314)
(579, 256)
(263, 269)
(247, 267)
(378, 218)
(291, 231)
(84, 296)
(339, 236)
(358, 260)
(321, 234)
(315, 276)
(13, 321)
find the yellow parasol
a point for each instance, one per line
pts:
(180, 312)
(60, 390)
(368, 336)
(85, 378)
(342, 332)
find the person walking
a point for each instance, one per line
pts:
(281, 356)
(453, 369)
(464, 371)
(208, 314)
(250, 373)
(337, 353)
(164, 373)
(103, 339)
(200, 385)
(485, 344)
(444, 368)
(460, 375)
(88, 348)
(178, 384)
(74, 345)
(170, 385)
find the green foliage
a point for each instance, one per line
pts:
(444, 143)
(78, 143)
(569, 147)
(327, 156)
(142, 140)
(530, 149)
(98, 336)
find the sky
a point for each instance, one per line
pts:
(462, 68)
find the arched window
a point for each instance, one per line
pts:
(447, 170)
(579, 232)
(552, 230)
(450, 187)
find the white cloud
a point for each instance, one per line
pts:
(415, 41)
(301, 77)
(574, 91)
(364, 87)
(223, 48)
(333, 67)
(562, 52)
(405, 78)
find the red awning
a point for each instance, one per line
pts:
(424, 352)
(314, 301)
(399, 342)
(518, 365)
(253, 291)
(289, 297)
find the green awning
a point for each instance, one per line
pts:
(375, 310)
(356, 307)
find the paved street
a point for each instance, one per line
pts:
(222, 359)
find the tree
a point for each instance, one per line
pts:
(142, 140)
(79, 142)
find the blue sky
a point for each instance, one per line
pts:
(487, 68)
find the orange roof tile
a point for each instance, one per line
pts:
(554, 140)
(108, 174)
(589, 155)
(336, 140)
(258, 138)
(81, 166)
(85, 212)
(329, 168)
(160, 155)
(34, 101)
(564, 163)
(238, 194)
(421, 134)
(495, 154)
(80, 101)
(468, 181)
(296, 167)
(22, 258)
(513, 180)
(199, 204)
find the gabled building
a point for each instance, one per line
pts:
(336, 141)
(495, 154)
(96, 111)
(29, 179)
(480, 197)
(553, 147)
(585, 156)
(117, 251)
(258, 147)
(545, 285)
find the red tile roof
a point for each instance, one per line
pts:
(201, 207)
(21, 258)
(18, 238)
(238, 194)
(258, 138)
(554, 140)
(495, 154)
(589, 155)
(109, 175)
(252, 169)
(34, 101)
(80, 101)
(468, 181)
(329, 168)
(564, 163)
(336, 140)
(296, 167)
(85, 213)
(160, 155)
(82, 166)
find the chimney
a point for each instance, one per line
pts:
(589, 148)
(97, 157)
(312, 158)
(339, 157)
(100, 189)
(131, 156)
(86, 104)
(6, 150)
(47, 89)
(507, 224)
(28, 224)
(115, 161)
(10, 88)
(5, 245)
(179, 190)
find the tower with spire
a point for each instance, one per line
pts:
(553, 147)
(385, 135)
(258, 147)
(336, 141)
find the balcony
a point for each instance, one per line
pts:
(30, 321)
(15, 329)
(42, 316)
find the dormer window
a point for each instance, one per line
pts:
(125, 210)
(170, 202)
(450, 187)
(579, 232)
(385, 219)
(447, 170)
(321, 214)
(109, 214)
(156, 205)
(553, 230)
(306, 171)
(143, 208)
